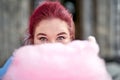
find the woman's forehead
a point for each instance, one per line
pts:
(52, 25)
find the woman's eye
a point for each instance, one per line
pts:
(60, 38)
(43, 39)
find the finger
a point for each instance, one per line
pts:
(92, 39)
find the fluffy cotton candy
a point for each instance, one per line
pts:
(77, 60)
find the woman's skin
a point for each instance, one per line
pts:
(52, 31)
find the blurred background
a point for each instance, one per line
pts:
(99, 18)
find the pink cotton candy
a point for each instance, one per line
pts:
(77, 60)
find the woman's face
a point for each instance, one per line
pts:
(52, 31)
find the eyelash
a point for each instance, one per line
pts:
(43, 39)
(59, 38)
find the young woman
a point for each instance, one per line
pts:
(49, 23)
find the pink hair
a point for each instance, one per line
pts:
(50, 10)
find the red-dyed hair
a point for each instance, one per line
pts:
(48, 10)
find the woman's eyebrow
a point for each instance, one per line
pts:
(41, 34)
(61, 33)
